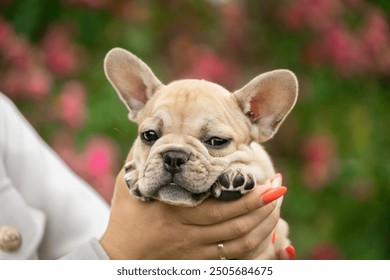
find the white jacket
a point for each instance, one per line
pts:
(56, 214)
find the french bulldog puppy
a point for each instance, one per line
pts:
(197, 139)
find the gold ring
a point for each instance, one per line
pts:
(221, 252)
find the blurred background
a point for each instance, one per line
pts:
(333, 150)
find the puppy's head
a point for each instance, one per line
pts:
(191, 130)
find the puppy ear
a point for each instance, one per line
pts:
(132, 79)
(267, 100)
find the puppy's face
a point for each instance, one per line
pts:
(190, 131)
(186, 131)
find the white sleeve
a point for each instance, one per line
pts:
(91, 250)
(74, 212)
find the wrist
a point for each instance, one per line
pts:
(114, 248)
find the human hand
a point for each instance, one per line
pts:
(155, 230)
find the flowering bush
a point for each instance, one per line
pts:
(333, 149)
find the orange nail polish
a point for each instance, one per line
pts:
(267, 190)
(291, 252)
(273, 194)
(273, 239)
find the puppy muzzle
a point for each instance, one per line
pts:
(174, 159)
(177, 174)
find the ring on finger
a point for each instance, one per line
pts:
(221, 252)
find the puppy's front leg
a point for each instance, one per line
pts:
(131, 178)
(249, 166)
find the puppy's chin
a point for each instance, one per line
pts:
(176, 195)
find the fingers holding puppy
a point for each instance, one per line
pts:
(249, 243)
(243, 227)
(213, 212)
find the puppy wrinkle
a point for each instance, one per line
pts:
(155, 123)
(215, 128)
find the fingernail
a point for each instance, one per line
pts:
(273, 239)
(291, 252)
(267, 190)
(273, 194)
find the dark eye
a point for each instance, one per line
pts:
(217, 142)
(149, 137)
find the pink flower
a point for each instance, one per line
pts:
(319, 148)
(10, 83)
(375, 31)
(100, 157)
(18, 52)
(375, 37)
(96, 164)
(312, 14)
(5, 32)
(293, 16)
(349, 51)
(37, 83)
(319, 160)
(34, 83)
(234, 27)
(64, 144)
(315, 175)
(344, 51)
(233, 14)
(326, 251)
(209, 66)
(63, 61)
(72, 108)
(61, 53)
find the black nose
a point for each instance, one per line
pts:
(173, 160)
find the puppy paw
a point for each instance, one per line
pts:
(232, 184)
(131, 174)
(131, 179)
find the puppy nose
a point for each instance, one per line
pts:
(174, 159)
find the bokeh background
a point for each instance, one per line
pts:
(333, 150)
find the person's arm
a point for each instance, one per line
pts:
(64, 212)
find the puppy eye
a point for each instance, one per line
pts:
(149, 136)
(217, 142)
